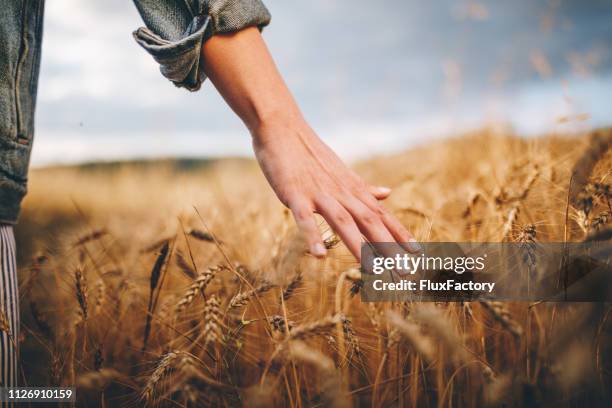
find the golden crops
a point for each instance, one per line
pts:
(147, 284)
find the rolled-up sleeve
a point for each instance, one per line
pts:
(176, 29)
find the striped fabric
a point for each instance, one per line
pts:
(9, 308)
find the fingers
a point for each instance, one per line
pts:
(352, 217)
(371, 224)
(397, 230)
(401, 234)
(379, 192)
(368, 221)
(342, 223)
(304, 218)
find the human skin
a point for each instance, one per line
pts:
(306, 175)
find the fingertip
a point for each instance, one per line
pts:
(380, 192)
(413, 246)
(318, 250)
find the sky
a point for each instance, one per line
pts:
(370, 77)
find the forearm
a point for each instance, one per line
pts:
(243, 71)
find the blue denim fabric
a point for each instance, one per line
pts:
(175, 31)
(176, 39)
(20, 40)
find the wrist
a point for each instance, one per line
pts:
(269, 125)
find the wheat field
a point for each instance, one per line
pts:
(186, 284)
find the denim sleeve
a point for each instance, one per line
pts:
(176, 29)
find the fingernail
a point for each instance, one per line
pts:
(383, 190)
(318, 250)
(414, 246)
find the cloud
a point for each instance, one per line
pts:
(380, 65)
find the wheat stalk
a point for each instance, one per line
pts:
(153, 282)
(279, 323)
(351, 336)
(80, 285)
(212, 320)
(332, 391)
(331, 241)
(100, 291)
(166, 306)
(353, 275)
(185, 265)
(243, 298)
(509, 223)
(294, 284)
(528, 246)
(315, 328)
(201, 235)
(412, 333)
(92, 236)
(599, 144)
(198, 286)
(506, 197)
(165, 365)
(599, 221)
(502, 315)
(431, 317)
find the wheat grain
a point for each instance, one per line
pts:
(80, 285)
(212, 321)
(599, 221)
(185, 266)
(201, 235)
(165, 365)
(351, 336)
(528, 246)
(279, 323)
(243, 298)
(315, 328)
(153, 282)
(353, 275)
(509, 223)
(158, 265)
(198, 286)
(293, 285)
(100, 299)
(92, 236)
(331, 242)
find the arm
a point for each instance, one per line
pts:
(305, 174)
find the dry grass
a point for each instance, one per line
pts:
(204, 269)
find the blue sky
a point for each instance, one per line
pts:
(371, 77)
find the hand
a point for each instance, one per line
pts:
(309, 178)
(305, 174)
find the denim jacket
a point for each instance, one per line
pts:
(174, 33)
